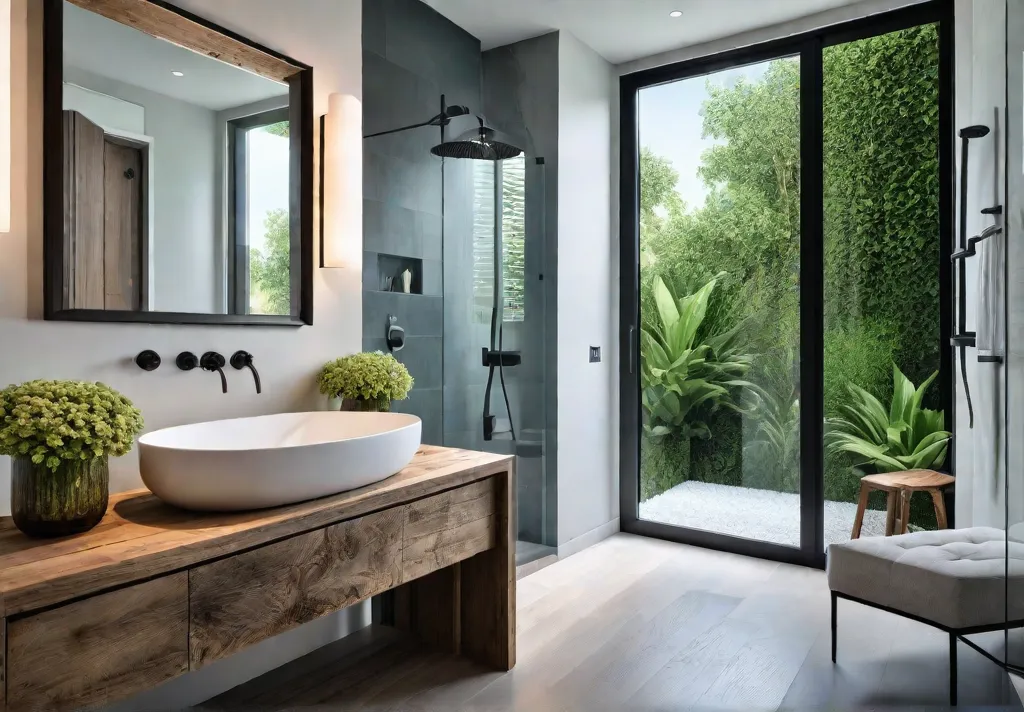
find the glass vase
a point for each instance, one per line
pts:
(68, 500)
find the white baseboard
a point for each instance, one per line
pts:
(574, 546)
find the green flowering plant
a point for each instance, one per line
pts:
(54, 421)
(365, 376)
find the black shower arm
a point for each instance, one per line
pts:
(443, 119)
(431, 122)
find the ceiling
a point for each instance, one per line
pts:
(116, 51)
(623, 30)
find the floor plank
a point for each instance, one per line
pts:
(641, 624)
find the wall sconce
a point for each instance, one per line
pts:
(5, 115)
(341, 183)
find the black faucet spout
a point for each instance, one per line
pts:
(243, 359)
(212, 361)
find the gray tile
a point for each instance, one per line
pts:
(429, 230)
(419, 315)
(371, 281)
(426, 404)
(423, 356)
(374, 27)
(423, 41)
(389, 229)
(433, 284)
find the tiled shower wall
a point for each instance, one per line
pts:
(411, 56)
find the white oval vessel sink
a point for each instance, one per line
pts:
(271, 460)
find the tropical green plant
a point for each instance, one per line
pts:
(771, 456)
(683, 378)
(907, 437)
(51, 422)
(375, 376)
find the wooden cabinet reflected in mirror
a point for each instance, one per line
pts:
(177, 167)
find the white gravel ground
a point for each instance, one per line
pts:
(752, 513)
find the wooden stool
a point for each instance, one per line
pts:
(902, 485)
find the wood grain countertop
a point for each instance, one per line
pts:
(141, 537)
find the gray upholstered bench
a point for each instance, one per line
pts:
(952, 579)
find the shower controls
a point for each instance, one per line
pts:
(187, 361)
(595, 354)
(499, 359)
(395, 335)
(148, 360)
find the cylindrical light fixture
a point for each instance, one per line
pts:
(5, 115)
(341, 183)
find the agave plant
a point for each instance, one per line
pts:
(908, 437)
(682, 378)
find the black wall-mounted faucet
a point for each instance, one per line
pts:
(148, 360)
(187, 361)
(212, 361)
(243, 359)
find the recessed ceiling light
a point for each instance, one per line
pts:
(676, 13)
(176, 73)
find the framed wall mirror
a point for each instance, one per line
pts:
(178, 169)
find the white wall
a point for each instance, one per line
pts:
(588, 471)
(185, 259)
(322, 33)
(980, 99)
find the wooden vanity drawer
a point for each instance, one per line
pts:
(99, 649)
(449, 527)
(253, 596)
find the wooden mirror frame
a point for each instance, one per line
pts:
(165, 21)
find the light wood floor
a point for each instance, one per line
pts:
(636, 623)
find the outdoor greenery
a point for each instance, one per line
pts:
(270, 273)
(365, 376)
(688, 372)
(54, 421)
(906, 437)
(881, 257)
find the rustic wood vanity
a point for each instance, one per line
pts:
(154, 592)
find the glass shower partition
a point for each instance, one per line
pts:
(496, 359)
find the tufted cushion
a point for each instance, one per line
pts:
(954, 577)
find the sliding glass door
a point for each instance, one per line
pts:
(784, 247)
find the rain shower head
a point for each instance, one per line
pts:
(482, 144)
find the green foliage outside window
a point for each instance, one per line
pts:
(881, 247)
(270, 271)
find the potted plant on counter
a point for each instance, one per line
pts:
(59, 435)
(366, 381)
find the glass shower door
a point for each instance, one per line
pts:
(495, 395)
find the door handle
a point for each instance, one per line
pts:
(632, 349)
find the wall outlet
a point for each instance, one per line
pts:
(595, 354)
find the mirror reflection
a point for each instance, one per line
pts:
(176, 177)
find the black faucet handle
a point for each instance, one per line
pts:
(213, 361)
(187, 361)
(148, 360)
(243, 359)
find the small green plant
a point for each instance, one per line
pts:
(908, 437)
(365, 377)
(54, 421)
(682, 379)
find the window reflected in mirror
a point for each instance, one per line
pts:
(176, 178)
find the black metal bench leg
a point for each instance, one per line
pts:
(952, 669)
(835, 600)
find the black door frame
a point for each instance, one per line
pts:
(808, 47)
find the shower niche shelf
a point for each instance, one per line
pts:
(390, 269)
